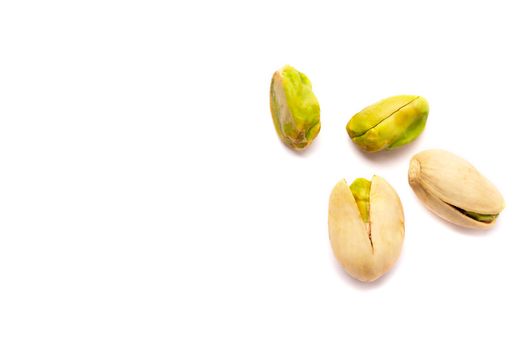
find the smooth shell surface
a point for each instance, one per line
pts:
(366, 253)
(445, 182)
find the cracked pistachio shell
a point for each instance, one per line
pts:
(295, 109)
(453, 189)
(389, 123)
(366, 250)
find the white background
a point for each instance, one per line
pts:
(146, 201)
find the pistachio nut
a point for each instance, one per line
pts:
(389, 123)
(366, 227)
(295, 109)
(453, 189)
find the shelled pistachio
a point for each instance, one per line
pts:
(389, 123)
(295, 109)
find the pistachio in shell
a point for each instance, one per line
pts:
(295, 109)
(454, 189)
(389, 123)
(366, 227)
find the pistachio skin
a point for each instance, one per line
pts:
(389, 123)
(295, 110)
(366, 251)
(454, 189)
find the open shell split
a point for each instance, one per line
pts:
(366, 250)
(454, 190)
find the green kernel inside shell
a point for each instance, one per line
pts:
(361, 191)
(487, 218)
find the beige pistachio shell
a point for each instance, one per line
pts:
(366, 251)
(451, 187)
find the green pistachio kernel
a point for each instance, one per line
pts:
(361, 191)
(295, 109)
(389, 123)
(479, 217)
